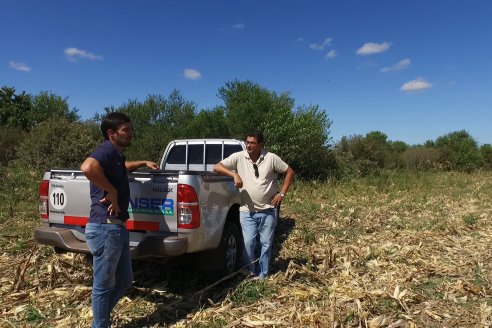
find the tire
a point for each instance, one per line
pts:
(226, 258)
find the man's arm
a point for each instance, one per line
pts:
(133, 165)
(289, 178)
(95, 173)
(222, 169)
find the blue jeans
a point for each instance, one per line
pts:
(112, 266)
(253, 224)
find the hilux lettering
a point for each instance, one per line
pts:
(160, 189)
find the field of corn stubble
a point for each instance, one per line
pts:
(396, 250)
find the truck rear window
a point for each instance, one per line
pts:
(213, 155)
(195, 154)
(177, 155)
(231, 149)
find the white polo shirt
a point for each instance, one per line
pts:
(256, 193)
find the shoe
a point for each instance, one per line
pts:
(246, 273)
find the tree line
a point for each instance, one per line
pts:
(42, 131)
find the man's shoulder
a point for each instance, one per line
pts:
(239, 154)
(273, 158)
(268, 154)
(105, 149)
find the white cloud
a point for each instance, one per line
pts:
(416, 85)
(239, 26)
(331, 54)
(371, 48)
(401, 65)
(19, 66)
(300, 39)
(321, 46)
(73, 54)
(192, 74)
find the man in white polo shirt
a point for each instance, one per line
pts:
(254, 171)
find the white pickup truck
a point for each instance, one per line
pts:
(182, 208)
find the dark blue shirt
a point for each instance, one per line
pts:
(112, 162)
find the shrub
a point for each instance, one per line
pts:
(359, 156)
(421, 158)
(57, 143)
(17, 188)
(486, 153)
(10, 138)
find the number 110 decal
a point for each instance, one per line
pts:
(58, 199)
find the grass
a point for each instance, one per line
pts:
(33, 315)
(470, 219)
(252, 291)
(213, 323)
(431, 288)
(346, 245)
(309, 237)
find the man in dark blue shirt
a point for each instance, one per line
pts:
(105, 233)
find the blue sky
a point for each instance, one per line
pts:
(414, 70)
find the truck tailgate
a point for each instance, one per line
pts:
(152, 205)
(153, 202)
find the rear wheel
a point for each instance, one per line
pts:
(231, 248)
(227, 257)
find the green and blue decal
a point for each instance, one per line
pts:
(151, 205)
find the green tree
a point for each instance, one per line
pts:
(46, 105)
(210, 124)
(301, 139)
(460, 149)
(23, 111)
(156, 121)
(247, 106)
(15, 109)
(430, 144)
(300, 136)
(377, 148)
(398, 146)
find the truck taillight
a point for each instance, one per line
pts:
(188, 208)
(44, 187)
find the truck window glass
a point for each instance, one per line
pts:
(195, 154)
(213, 154)
(230, 149)
(177, 155)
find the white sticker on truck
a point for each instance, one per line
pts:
(58, 198)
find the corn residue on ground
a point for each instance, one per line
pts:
(394, 250)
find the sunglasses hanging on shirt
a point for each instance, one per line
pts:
(257, 174)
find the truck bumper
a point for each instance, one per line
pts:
(60, 237)
(152, 246)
